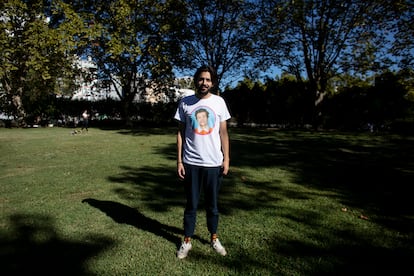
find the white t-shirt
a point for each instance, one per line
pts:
(202, 118)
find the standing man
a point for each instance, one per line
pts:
(202, 154)
(85, 120)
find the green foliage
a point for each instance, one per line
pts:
(321, 39)
(324, 38)
(37, 47)
(138, 42)
(403, 44)
(221, 34)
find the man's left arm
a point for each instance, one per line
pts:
(225, 146)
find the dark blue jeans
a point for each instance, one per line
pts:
(208, 180)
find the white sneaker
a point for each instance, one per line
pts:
(218, 247)
(184, 249)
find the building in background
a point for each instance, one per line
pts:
(93, 89)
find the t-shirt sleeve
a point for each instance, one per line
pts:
(225, 112)
(179, 113)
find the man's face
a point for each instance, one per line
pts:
(202, 118)
(204, 83)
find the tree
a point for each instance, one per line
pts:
(37, 40)
(321, 38)
(137, 45)
(221, 34)
(403, 44)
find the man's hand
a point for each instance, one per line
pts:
(226, 166)
(180, 170)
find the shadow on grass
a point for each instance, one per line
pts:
(34, 248)
(156, 186)
(159, 189)
(144, 131)
(121, 213)
(371, 172)
(368, 172)
(357, 256)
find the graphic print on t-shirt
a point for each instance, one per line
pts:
(203, 120)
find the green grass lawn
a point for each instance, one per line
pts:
(295, 203)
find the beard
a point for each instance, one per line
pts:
(204, 90)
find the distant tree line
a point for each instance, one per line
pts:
(386, 104)
(383, 104)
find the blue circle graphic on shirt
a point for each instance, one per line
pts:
(203, 120)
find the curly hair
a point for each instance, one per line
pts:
(213, 75)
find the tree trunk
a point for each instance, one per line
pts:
(20, 112)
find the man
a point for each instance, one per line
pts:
(202, 156)
(85, 120)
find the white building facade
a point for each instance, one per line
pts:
(91, 89)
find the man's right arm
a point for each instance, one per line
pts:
(180, 142)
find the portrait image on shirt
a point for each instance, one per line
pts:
(203, 120)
